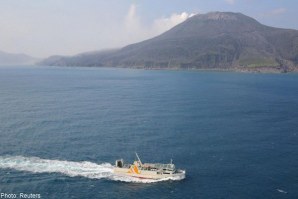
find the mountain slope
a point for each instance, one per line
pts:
(220, 40)
(16, 59)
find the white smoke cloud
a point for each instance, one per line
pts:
(132, 20)
(135, 30)
(165, 23)
(132, 30)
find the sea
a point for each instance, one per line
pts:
(62, 128)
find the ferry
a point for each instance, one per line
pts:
(154, 171)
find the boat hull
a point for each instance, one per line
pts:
(143, 174)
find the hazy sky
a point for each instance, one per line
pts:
(49, 27)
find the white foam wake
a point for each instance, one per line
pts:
(69, 168)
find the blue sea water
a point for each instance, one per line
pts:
(236, 134)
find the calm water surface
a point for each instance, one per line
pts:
(235, 134)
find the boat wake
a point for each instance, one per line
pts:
(69, 168)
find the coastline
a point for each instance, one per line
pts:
(263, 69)
(241, 69)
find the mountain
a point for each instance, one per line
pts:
(16, 59)
(216, 40)
(84, 59)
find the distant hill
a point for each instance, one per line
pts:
(217, 40)
(93, 58)
(16, 59)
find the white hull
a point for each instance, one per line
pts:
(148, 174)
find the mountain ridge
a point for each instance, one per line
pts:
(216, 40)
(16, 59)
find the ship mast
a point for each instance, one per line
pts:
(139, 159)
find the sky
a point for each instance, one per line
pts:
(42, 28)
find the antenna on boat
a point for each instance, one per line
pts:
(139, 159)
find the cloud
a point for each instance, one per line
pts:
(132, 24)
(165, 23)
(231, 2)
(34, 30)
(135, 30)
(131, 19)
(275, 12)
